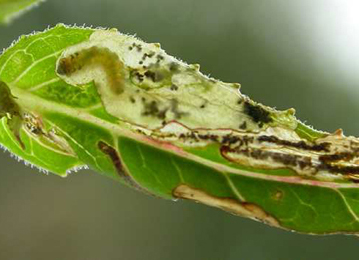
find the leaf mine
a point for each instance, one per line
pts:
(118, 164)
(243, 209)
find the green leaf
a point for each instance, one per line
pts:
(77, 97)
(10, 9)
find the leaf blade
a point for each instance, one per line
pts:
(137, 115)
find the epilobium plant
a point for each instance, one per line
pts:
(76, 97)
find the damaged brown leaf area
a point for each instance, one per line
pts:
(334, 156)
(116, 160)
(235, 207)
(35, 128)
(119, 166)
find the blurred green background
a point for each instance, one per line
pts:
(301, 54)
